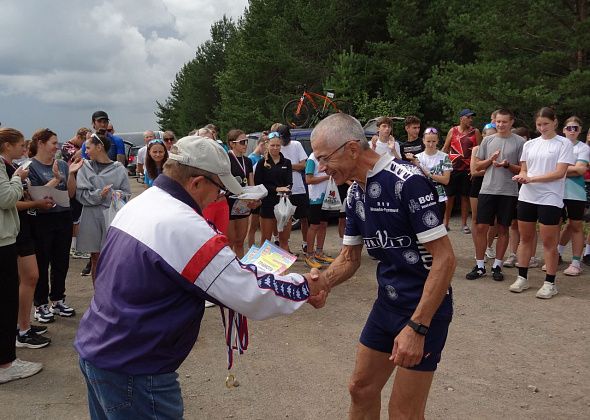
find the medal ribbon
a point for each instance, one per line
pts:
(236, 333)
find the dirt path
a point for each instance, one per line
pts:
(508, 356)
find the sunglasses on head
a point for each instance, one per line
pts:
(573, 128)
(240, 142)
(273, 135)
(431, 130)
(156, 141)
(95, 136)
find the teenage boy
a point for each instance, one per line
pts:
(414, 144)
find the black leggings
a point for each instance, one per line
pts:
(53, 238)
(9, 306)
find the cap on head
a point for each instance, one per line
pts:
(205, 154)
(466, 113)
(100, 115)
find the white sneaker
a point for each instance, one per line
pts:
(547, 291)
(18, 370)
(209, 304)
(520, 285)
(534, 262)
(490, 253)
(510, 261)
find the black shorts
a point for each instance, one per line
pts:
(459, 184)
(500, 208)
(316, 215)
(230, 204)
(546, 215)
(255, 211)
(475, 186)
(302, 203)
(267, 212)
(573, 209)
(25, 242)
(383, 326)
(76, 207)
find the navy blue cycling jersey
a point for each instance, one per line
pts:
(396, 214)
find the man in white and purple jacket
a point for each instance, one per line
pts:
(155, 272)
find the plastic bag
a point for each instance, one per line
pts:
(117, 203)
(332, 200)
(283, 212)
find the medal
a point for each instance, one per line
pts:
(231, 381)
(244, 180)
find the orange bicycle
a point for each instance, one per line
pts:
(306, 112)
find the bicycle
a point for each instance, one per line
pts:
(297, 113)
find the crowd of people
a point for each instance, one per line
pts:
(516, 188)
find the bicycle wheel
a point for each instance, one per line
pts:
(293, 117)
(342, 106)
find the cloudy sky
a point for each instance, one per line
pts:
(62, 60)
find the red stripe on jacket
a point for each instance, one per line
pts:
(203, 257)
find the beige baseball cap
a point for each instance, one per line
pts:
(204, 153)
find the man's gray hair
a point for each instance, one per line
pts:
(338, 129)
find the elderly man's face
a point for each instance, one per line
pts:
(334, 161)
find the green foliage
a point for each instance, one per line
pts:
(393, 57)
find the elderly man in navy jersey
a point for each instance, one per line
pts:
(391, 208)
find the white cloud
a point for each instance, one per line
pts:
(120, 54)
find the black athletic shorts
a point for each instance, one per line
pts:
(546, 215)
(459, 184)
(267, 212)
(25, 242)
(76, 207)
(383, 325)
(573, 209)
(492, 207)
(316, 215)
(302, 203)
(475, 186)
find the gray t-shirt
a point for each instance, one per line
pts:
(498, 181)
(40, 174)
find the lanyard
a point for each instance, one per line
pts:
(241, 165)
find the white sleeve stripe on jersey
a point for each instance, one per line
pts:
(432, 234)
(352, 240)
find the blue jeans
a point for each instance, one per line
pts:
(115, 396)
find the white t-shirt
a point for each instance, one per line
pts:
(541, 157)
(141, 155)
(382, 148)
(436, 164)
(295, 153)
(316, 191)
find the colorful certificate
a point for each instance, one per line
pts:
(269, 258)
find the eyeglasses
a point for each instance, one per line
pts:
(222, 190)
(168, 139)
(273, 135)
(573, 128)
(240, 142)
(155, 141)
(324, 159)
(430, 130)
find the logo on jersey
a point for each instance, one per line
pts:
(424, 256)
(382, 240)
(391, 292)
(411, 256)
(398, 189)
(414, 206)
(360, 210)
(429, 219)
(374, 189)
(426, 198)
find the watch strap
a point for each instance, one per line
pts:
(419, 328)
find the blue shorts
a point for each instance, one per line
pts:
(383, 326)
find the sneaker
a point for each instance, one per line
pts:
(60, 308)
(533, 262)
(572, 270)
(86, 270)
(32, 340)
(520, 285)
(586, 259)
(497, 273)
(311, 262)
(209, 304)
(43, 314)
(19, 369)
(510, 261)
(80, 255)
(547, 291)
(36, 329)
(490, 253)
(466, 230)
(323, 258)
(476, 273)
(304, 248)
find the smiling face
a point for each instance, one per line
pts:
(336, 161)
(157, 152)
(546, 127)
(504, 124)
(49, 147)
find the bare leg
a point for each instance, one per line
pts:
(449, 209)
(492, 232)
(409, 394)
(464, 210)
(266, 229)
(240, 230)
(311, 236)
(341, 226)
(527, 242)
(371, 372)
(577, 234)
(479, 239)
(473, 203)
(28, 274)
(514, 237)
(285, 235)
(321, 234)
(304, 228)
(253, 226)
(550, 238)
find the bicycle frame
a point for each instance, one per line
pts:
(310, 95)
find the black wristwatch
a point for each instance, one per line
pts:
(419, 328)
